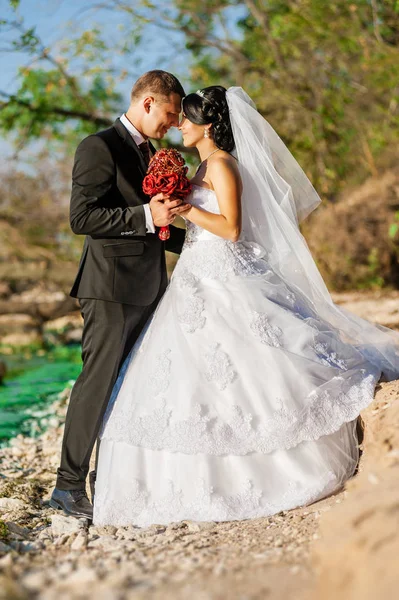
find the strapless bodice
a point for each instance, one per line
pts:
(206, 255)
(203, 198)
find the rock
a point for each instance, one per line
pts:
(35, 581)
(81, 577)
(10, 589)
(194, 526)
(67, 329)
(30, 546)
(80, 542)
(104, 530)
(4, 547)
(44, 534)
(17, 532)
(65, 525)
(15, 545)
(5, 290)
(126, 534)
(19, 330)
(74, 336)
(48, 303)
(158, 528)
(106, 543)
(64, 569)
(7, 504)
(6, 561)
(62, 539)
(17, 452)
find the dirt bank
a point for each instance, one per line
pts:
(357, 556)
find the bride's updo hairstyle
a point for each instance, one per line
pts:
(209, 105)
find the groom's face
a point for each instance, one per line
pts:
(161, 113)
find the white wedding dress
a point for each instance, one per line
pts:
(237, 401)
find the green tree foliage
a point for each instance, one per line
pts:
(325, 74)
(65, 92)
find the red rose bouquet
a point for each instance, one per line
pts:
(167, 173)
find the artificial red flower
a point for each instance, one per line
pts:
(167, 174)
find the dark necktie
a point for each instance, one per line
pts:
(145, 151)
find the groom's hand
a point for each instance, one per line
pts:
(164, 210)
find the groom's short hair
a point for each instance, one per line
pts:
(160, 83)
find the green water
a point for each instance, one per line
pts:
(32, 383)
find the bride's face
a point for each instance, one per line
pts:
(191, 132)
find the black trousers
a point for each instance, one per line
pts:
(109, 332)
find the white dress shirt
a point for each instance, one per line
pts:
(139, 139)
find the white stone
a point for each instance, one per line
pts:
(44, 534)
(64, 569)
(106, 543)
(7, 504)
(35, 580)
(82, 576)
(6, 561)
(80, 542)
(194, 526)
(17, 452)
(61, 540)
(103, 530)
(64, 525)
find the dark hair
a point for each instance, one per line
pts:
(211, 107)
(157, 82)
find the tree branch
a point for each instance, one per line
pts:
(43, 53)
(54, 110)
(374, 7)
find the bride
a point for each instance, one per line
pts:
(240, 398)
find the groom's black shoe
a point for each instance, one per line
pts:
(74, 503)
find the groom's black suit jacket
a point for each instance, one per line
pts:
(120, 262)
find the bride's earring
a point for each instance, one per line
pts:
(206, 133)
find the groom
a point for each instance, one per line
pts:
(122, 272)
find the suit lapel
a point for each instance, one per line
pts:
(131, 144)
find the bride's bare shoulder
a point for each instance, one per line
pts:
(224, 169)
(224, 159)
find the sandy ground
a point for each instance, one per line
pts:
(345, 546)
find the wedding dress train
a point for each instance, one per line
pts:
(237, 401)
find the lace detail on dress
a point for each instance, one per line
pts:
(268, 334)
(218, 259)
(218, 367)
(330, 359)
(193, 232)
(159, 380)
(201, 503)
(186, 279)
(324, 412)
(190, 313)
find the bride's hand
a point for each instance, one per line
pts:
(182, 210)
(164, 210)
